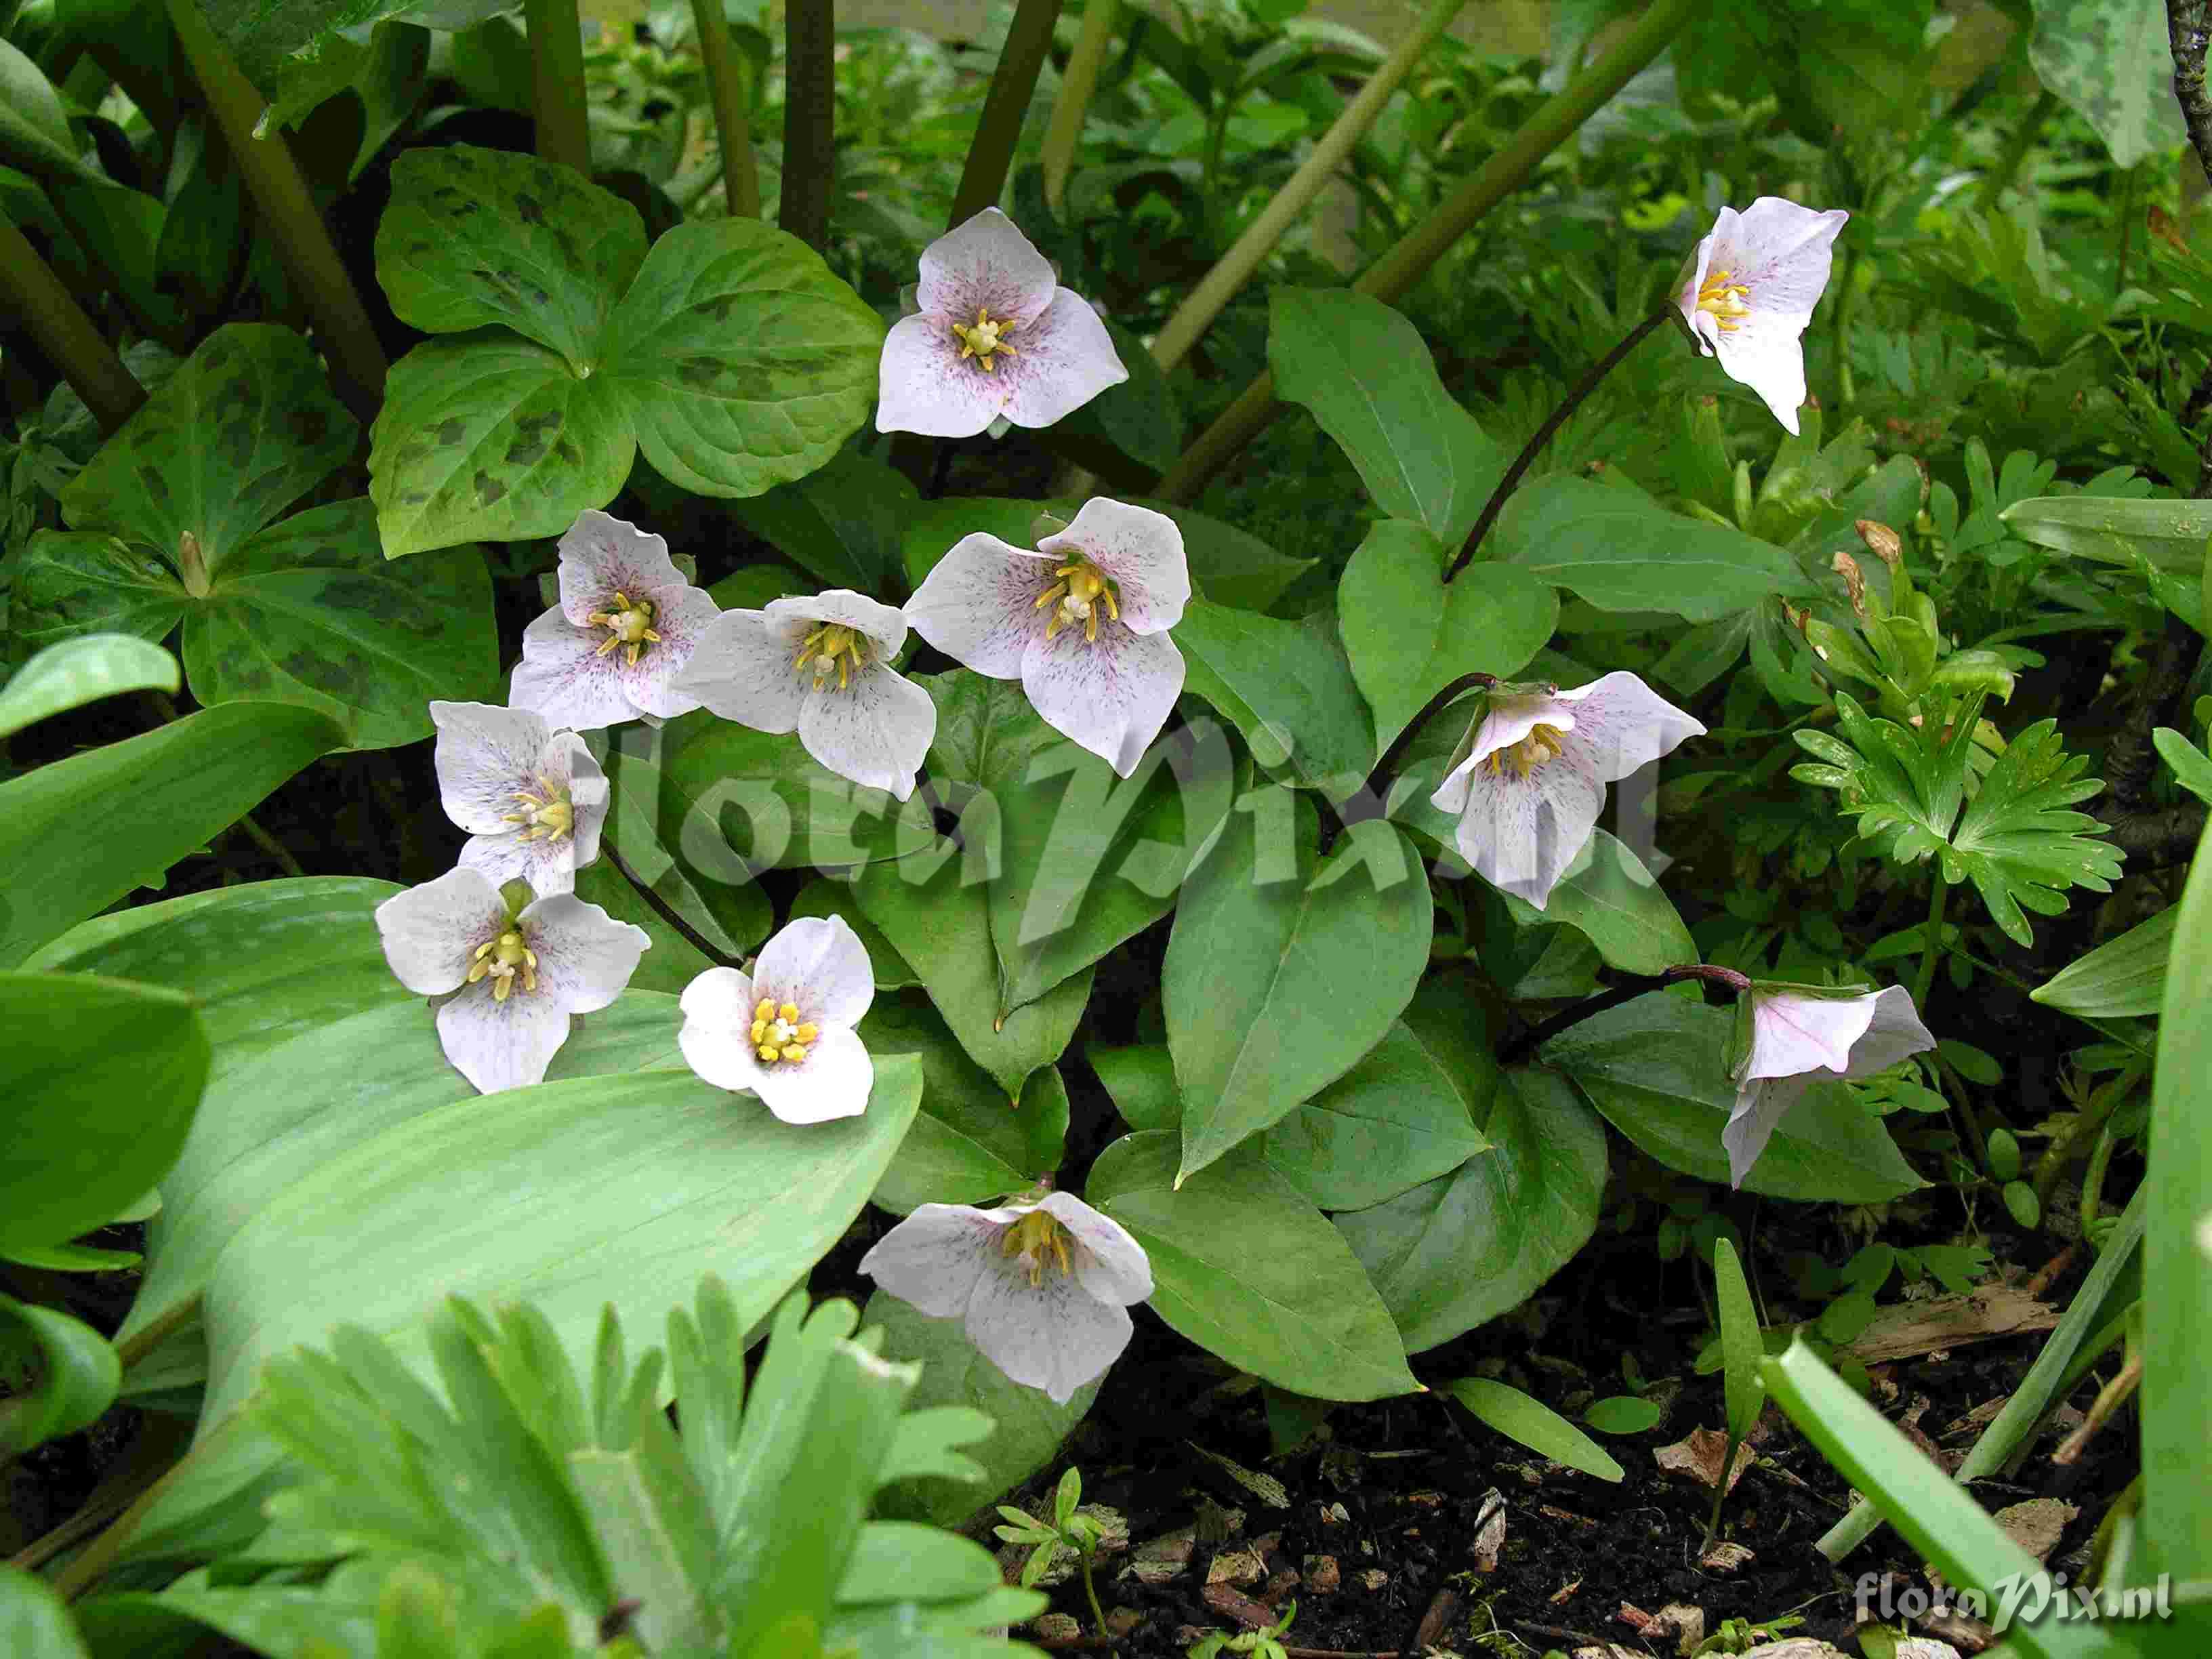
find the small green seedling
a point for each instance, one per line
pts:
(1066, 1530)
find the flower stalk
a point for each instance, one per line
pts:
(730, 94)
(556, 83)
(1077, 83)
(1004, 107)
(63, 332)
(1524, 1046)
(809, 120)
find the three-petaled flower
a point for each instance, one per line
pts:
(532, 798)
(627, 623)
(784, 1032)
(1800, 1034)
(1043, 1288)
(995, 336)
(509, 978)
(1748, 291)
(1082, 622)
(821, 667)
(1529, 780)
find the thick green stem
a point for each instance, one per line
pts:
(1847, 291)
(1508, 167)
(1931, 946)
(727, 91)
(556, 83)
(1235, 268)
(809, 120)
(1077, 83)
(2023, 140)
(288, 212)
(1004, 107)
(63, 332)
(2129, 182)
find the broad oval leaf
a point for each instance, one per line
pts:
(1609, 898)
(2112, 61)
(2123, 978)
(82, 671)
(1401, 1116)
(1287, 687)
(967, 1143)
(1249, 1270)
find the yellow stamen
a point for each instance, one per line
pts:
(1038, 1240)
(547, 814)
(778, 1035)
(505, 960)
(1542, 743)
(768, 1051)
(1722, 299)
(795, 1051)
(788, 1011)
(629, 624)
(984, 337)
(1079, 589)
(832, 645)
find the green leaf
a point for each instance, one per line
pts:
(76, 1375)
(98, 1108)
(34, 1622)
(932, 529)
(2111, 61)
(1284, 967)
(732, 916)
(1249, 1270)
(34, 129)
(1138, 416)
(2123, 978)
(1608, 897)
(1742, 1347)
(2191, 767)
(1027, 1427)
(969, 1143)
(741, 361)
(2169, 535)
(1658, 1069)
(1366, 374)
(491, 438)
(477, 237)
(154, 798)
(1622, 1414)
(1471, 1245)
(1081, 869)
(842, 524)
(1530, 1422)
(1142, 1081)
(1409, 633)
(1287, 687)
(82, 671)
(1400, 1117)
(1622, 551)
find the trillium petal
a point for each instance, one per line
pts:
(979, 604)
(1110, 1264)
(833, 1081)
(602, 556)
(985, 261)
(883, 624)
(742, 669)
(585, 957)
(819, 963)
(716, 1037)
(483, 755)
(1520, 833)
(1622, 725)
(563, 678)
(1506, 721)
(1061, 362)
(501, 1045)
(923, 383)
(1053, 1335)
(933, 1260)
(549, 865)
(587, 794)
(1894, 1034)
(430, 931)
(1788, 251)
(1111, 695)
(682, 616)
(1791, 1035)
(1764, 354)
(876, 732)
(1142, 550)
(1761, 1103)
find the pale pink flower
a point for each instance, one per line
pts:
(532, 798)
(1043, 1289)
(1532, 783)
(996, 336)
(507, 982)
(784, 1032)
(1082, 622)
(820, 666)
(1747, 293)
(1800, 1036)
(627, 623)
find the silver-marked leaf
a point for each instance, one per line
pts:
(2112, 60)
(491, 438)
(742, 361)
(482, 236)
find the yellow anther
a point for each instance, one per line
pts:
(1038, 1240)
(764, 1009)
(628, 625)
(547, 814)
(832, 645)
(777, 1033)
(505, 960)
(1722, 299)
(788, 1011)
(1079, 590)
(795, 1051)
(760, 1032)
(984, 337)
(768, 1051)
(807, 1032)
(1542, 743)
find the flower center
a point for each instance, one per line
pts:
(506, 959)
(1081, 589)
(984, 337)
(777, 1033)
(1037, 1240)
(833, 647)
(1532, 751)
(628, 623)
(1722, 299)
(546, 812)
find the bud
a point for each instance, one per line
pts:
(1854, 582)
(517, 895)
(191, 565)
(1881, 541)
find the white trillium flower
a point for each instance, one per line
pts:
(1800, 1037)
(627, 623)
(1747, 293)
(532, 798)
(784, 1032)
(1043, 1290)
(1529, 780)
(1081, 622)
(995, 336)
(821, 667)
(509, 981)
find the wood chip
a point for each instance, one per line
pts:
(1726, 1558)
(2037, 1525)
(1157, 1560)
(1687, 1623)
(1373, 1579)
(1797, 1647)
(1977, 1420)
(1235, 1566)
(1265, 1487)
(1233, 1603)
(1698, 1457)
(1321, 1574)
(1123, 1620)
(1565, 1592)
(1558, 1514)
(1056, 1626)
(1634, 1617)
(1490, 1536)
(1909, 1329)
(1922, 1647)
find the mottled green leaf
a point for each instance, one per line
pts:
(299, 52)
(2111, 61)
